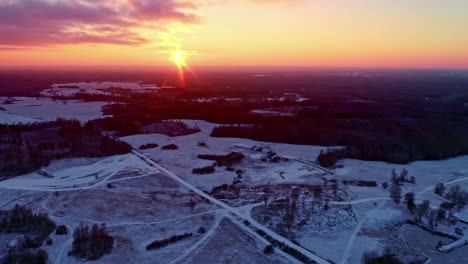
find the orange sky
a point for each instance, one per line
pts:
(318, 33)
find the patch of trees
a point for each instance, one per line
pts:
(427, 216)
(359, 183)
(170, 147)
(148, 146)
(26, 148)
(164, 242)
(330, 157)
(20, 219)
(91, 243)
(224, 160)
(402, 177)
(396, 183)
(457, 196)
(35, 227)
(204, 170)
(134, 122)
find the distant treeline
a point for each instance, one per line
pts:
(26, 148)
(392, 132)
(125, 125)
(391, 141)
(394, 117)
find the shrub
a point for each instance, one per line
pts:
(202, 230)
(367, 183)
(170, 147)
(269, 249)
(61, 230)
(148, 146)
(261, 232)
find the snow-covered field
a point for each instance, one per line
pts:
(30, 109)
(141, 202)
(256, 172)
(69, 89)
(371, 204)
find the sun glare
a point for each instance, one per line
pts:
(179, 58)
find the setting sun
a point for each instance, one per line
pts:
(179, 58)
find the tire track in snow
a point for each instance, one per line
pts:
(254, 223)
(200, 244)
(349, 246)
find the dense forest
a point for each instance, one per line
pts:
(26, 148)
(398, 130)
(389, 115)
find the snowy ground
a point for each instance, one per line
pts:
(184, 159)
(142, 201)
(69, 89)
(29, 109)
(371, 204)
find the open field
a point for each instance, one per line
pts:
(153, 194)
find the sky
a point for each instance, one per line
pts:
(305, 33)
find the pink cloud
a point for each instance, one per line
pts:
(45, 22)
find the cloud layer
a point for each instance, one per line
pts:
(50, 22)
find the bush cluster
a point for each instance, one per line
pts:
(204, 170)
(170, 147)
(148, 146)
(162, 243)
(224, 160)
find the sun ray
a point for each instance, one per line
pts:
(178, 57)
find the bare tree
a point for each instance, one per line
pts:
(404, 175)
(395, 178)
(432, 219)
(440, 215)
(395, 192)
(458, 196)
(422, 210)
